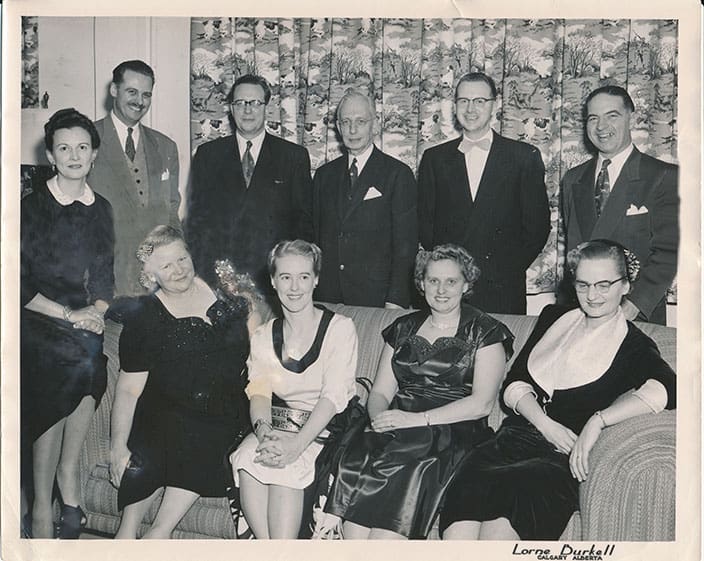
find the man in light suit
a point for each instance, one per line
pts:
(487, 194)
(365, 216)
(136, 170)
(248, 190)
(625, 196)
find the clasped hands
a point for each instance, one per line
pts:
(577, 447)
(277, 449)
(88, 318)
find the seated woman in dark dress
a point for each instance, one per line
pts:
(179, 400)
(66, 284)
(437, 382)
(580, 371)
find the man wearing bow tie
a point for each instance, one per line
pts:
(248, 190)
(365, 216)
(486, 193)
(136, 170)
(624, 195)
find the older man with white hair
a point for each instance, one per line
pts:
(365, 216)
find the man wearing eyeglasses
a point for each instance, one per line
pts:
(248, 190)
(486, 193)
(136, 170)
(365, 216)
(626, 196)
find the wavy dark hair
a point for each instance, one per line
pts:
(69, 118)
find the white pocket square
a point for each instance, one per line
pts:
(165, 175)
(372, 193)
(633, 210)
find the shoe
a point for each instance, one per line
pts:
(72, 521)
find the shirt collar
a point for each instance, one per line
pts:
(257, 142)
(488, 135)
(616, 165)
(87, 197)
(361, 158)
(121, 129)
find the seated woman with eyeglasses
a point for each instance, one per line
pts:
(580, 371)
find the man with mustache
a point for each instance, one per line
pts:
(487, 193)
(136, 170)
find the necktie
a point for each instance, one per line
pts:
(129, 145)
(466, 145)
(602, 188)
(248, 164)
(354, 173)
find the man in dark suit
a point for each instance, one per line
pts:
(365, 216)
(625, 196)
(136, 170)
(248, 190)
(487, 194)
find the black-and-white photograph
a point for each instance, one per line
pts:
(328, 278)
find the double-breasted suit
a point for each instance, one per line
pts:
(369, 242)
(504, 228)
(227, 219)
(137, 207)
(641, 213)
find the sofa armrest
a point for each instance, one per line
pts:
(629, 494)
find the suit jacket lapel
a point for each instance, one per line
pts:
(263, 169)
(495, 163)
(155, 166)
(584, 200)
(456, 170)
(111, 147)
(616, 205)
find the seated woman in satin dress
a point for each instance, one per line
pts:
(179, 400)
(437, 381)
(66, 284)
(307, 359)
(580, 371)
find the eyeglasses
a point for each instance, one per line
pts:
(479, 102)
(253, 103)
(602, 287)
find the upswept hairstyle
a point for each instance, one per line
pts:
(68, 119)
(159, 236)
(627, 264)
(295, 247)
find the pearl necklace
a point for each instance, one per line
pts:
(443, 326)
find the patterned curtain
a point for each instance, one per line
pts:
(543, 68)
(30, 62)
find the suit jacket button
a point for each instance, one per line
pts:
(488, 255)
(342, 267)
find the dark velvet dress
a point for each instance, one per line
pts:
(396, 480)
(193, 403)
(518, 474)
(66, 256)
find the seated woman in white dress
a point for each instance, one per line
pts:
(307, 359)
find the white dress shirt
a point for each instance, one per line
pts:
(121, 129)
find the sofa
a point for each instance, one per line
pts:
(628, 496)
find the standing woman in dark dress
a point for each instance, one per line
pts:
(437, 382)
(179, 400)
(66, 285)
(580, 371)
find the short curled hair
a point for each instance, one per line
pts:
(627, 264)
(295, 247)
(68, 119)
(159, 236)
(253, 80)
(450, 251)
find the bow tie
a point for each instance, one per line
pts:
(466, 145)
